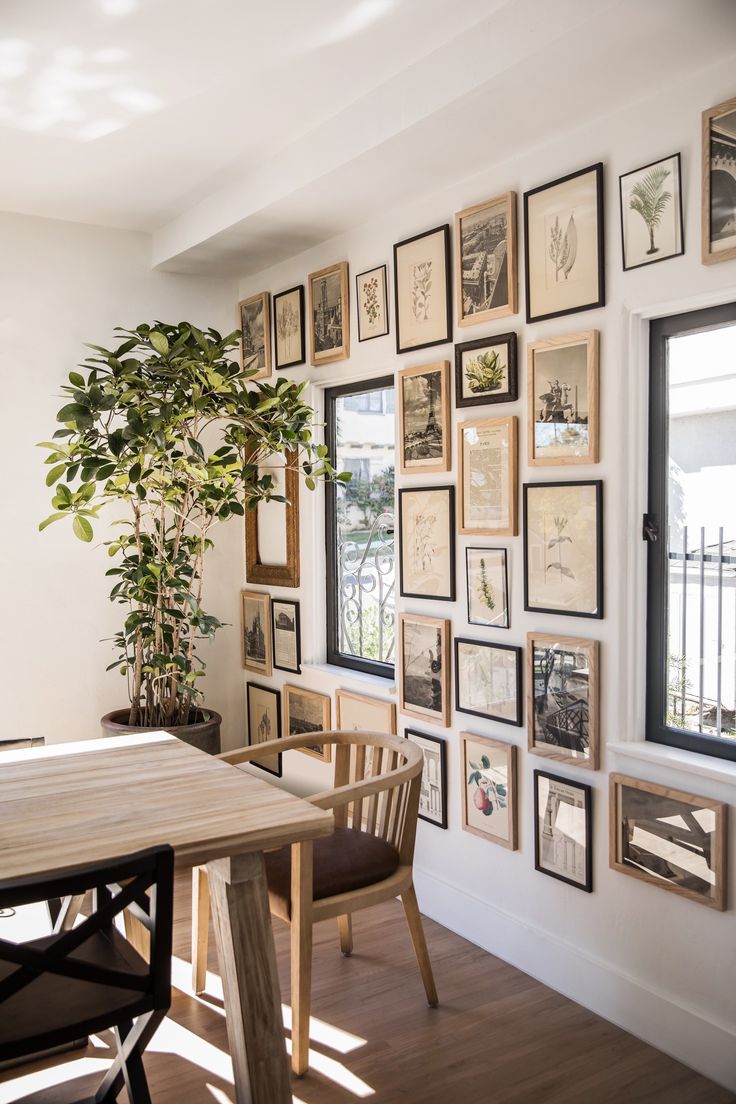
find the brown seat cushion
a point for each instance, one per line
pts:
(344, 861)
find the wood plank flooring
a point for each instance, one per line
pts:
(497, 1035)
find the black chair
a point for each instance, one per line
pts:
(85, 979)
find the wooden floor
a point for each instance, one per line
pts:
(497, 1036)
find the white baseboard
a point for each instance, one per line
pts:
(682, 1032)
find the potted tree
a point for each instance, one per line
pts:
(168, 426)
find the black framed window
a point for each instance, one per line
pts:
(691, 530)
(359, 522)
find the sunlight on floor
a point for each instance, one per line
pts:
(59, 1074)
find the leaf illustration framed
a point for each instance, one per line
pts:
(255, 631)
(422, 290)
(433, 794)
(718, 202)
(329, 314)
(427, 542)
(255, 334)
(563, 548)
(487, 581)
(563, 400)
(424, 668)
(485, 260)
(424, 418)
(489, 789)
(264, 723)
(487, 451)
(288, 328)
(562, 698)
(372, 297)
(488, 680)
(563, 830)
(485, 371)
(651, 213)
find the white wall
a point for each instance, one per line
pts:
(658, 965)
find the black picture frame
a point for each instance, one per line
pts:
(483, 624)
(587, 791)
(445, 230)
(508, 339)
(277, 695)
(302, 333)
(378, 268)
(443, 821)
(668, 256)
(297, 632)
(600, 300)
(518, 719)
(449, 490)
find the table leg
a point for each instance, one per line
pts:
(242, 923)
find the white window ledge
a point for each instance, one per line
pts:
(690, 762)
(347, 674)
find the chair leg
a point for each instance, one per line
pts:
(301, 954)
(132, 1068)
(200, 927)
(345, 927)
(129, 1039)
(414, 920)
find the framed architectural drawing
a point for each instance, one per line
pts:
(651, 213)
(562, 382)
(487, 583)
(264, 723)
(718, 203)
(307, 711)
(422, 290)
(361, 713)
(563, 830)
(489, 789)
(563, 698)
(287, 649)
(288, 328)
(372, 298)
(423, 668)
(329, 314)
(485, 371)
(487, 452)
(488, 680)
(255, 334)
(563, 548)
(424, 418)
(427, 542)
(485, 260)
(256, 631)
(272, 529)
(433, 794)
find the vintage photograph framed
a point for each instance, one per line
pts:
(371, 289)
(255, 631)
(424, 418)
(255, 334)
(422, 292)
(487, 461)
(651, 213)
(563, 829)
(423, 668)
(485, 260)
(488, 680)
(264, 723)
(485, 371)
(563, 245)
(563, 698)
(329, 314)
(427, 542)
(433, 794)
(272, 528)
(286, 635)
(562, 384)
(308, 711)
(718, 201)
(362, 713)
(563, 548)
(669, 839)
(489, 789)
(288, 328)
(487, 587)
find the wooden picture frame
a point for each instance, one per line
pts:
(286, 635)
(489, 376)
(371, 299)
(258, 698)
(575, 585)
(489, 789)
(433, 793)
(648, 208)
(329, 314)
(563, 724)
(255, 334)
(289, 347)
(486, 286)
(681, 834)
(424, 431)
(561, 371)
(423, 666)
(497, 671)
(262, 572)
(255, 631)
(422, 290)
(427, 542)
(351, 710)
(303, 710)
(718, 208)
(557, 853)
(486, 494)
(485, 588)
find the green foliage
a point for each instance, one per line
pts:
(485, 372)
(649, 199)
(371, 496)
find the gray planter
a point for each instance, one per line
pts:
(203, 734)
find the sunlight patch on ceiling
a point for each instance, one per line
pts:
(353, 21)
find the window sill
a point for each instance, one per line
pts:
(346, 674)
(689, 762)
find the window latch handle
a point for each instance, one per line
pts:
(649, 529)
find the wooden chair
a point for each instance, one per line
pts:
(87, 978)
(367, 860)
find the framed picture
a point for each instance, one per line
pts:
(433, 794)
(563, 548)
(669, 839)
(563, 400)
(255, 335)
(424, 668)
(256, 631)
(264, 723)
(485, 260)
(719, 184)
(307, 711)
(562, 698)
(272, 528)
(563, 830)
(286, 635)
(361, 713)
(488, 788)
(427, 542)
(329, 314)
(487, 581)
(288, 328)
(372, 295)
(485, 371)
(422, 290)
(563, 245)
(488, 680)
(487, 452)
(651, 213)
(424, 418)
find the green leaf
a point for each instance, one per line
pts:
(76, 379)
(82, 529)
(55, 474)
(159, 342)
(72, 412)
(50, 520)
(311, 485)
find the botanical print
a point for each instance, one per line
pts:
(484, 260)
(562, 535)
(285, 635)
(651, 213)
(256, 634)
(422, 659)
(488, 797)
(254, 325)
(421, 289)
(562, 817)
(487, 587)
(486, 482)
(432, 796)
(427, 517)
(560, 402)
(289, 327)
(423, 419)
(263, 722)
(306, 711)
(327, 313)
(359, 713)
(562, 245)
(488, 680)
(723, 182)
(372, 308)
(564, 694)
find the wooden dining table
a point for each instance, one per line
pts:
(65, 805)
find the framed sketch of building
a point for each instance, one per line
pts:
(329, 314)
(362, 713)
(424, 418)
(422, 291)
(487, 451)
(424, 668)
(485, 260)
(651, 213)
(255, 334)
(372, 296)
(427, 542)
(433, 794)
(286, 634)
(562, 382)
(563, 698)
(485, 371)
(264, 723)
(487, 581)
(718, 202)
(563, 830)
(488, 787)
(488, 680)
(307, 711)
(563, 548)
(288, 328)
(256, 631)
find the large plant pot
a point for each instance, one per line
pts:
(204, 733)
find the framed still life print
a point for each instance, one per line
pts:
(255, 335)
(651, 213)
(372, 295)
(563, 244)
(489, 786)
(485, 371)
(433, 794)
(329, 314)
(288, 328)
(427, 542)
(562, 690)
(424, 668)
(422, 290)
(424, 418)
(286, 635)
(487, 451)
(563, 400)
(307, 711)
(485, 260)
(488, 680)
(563, 548)
(256, 631)
(563, 830)
(272, 529)
(361, 713)
(719, 185)
(487, 587)
(264, 724)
